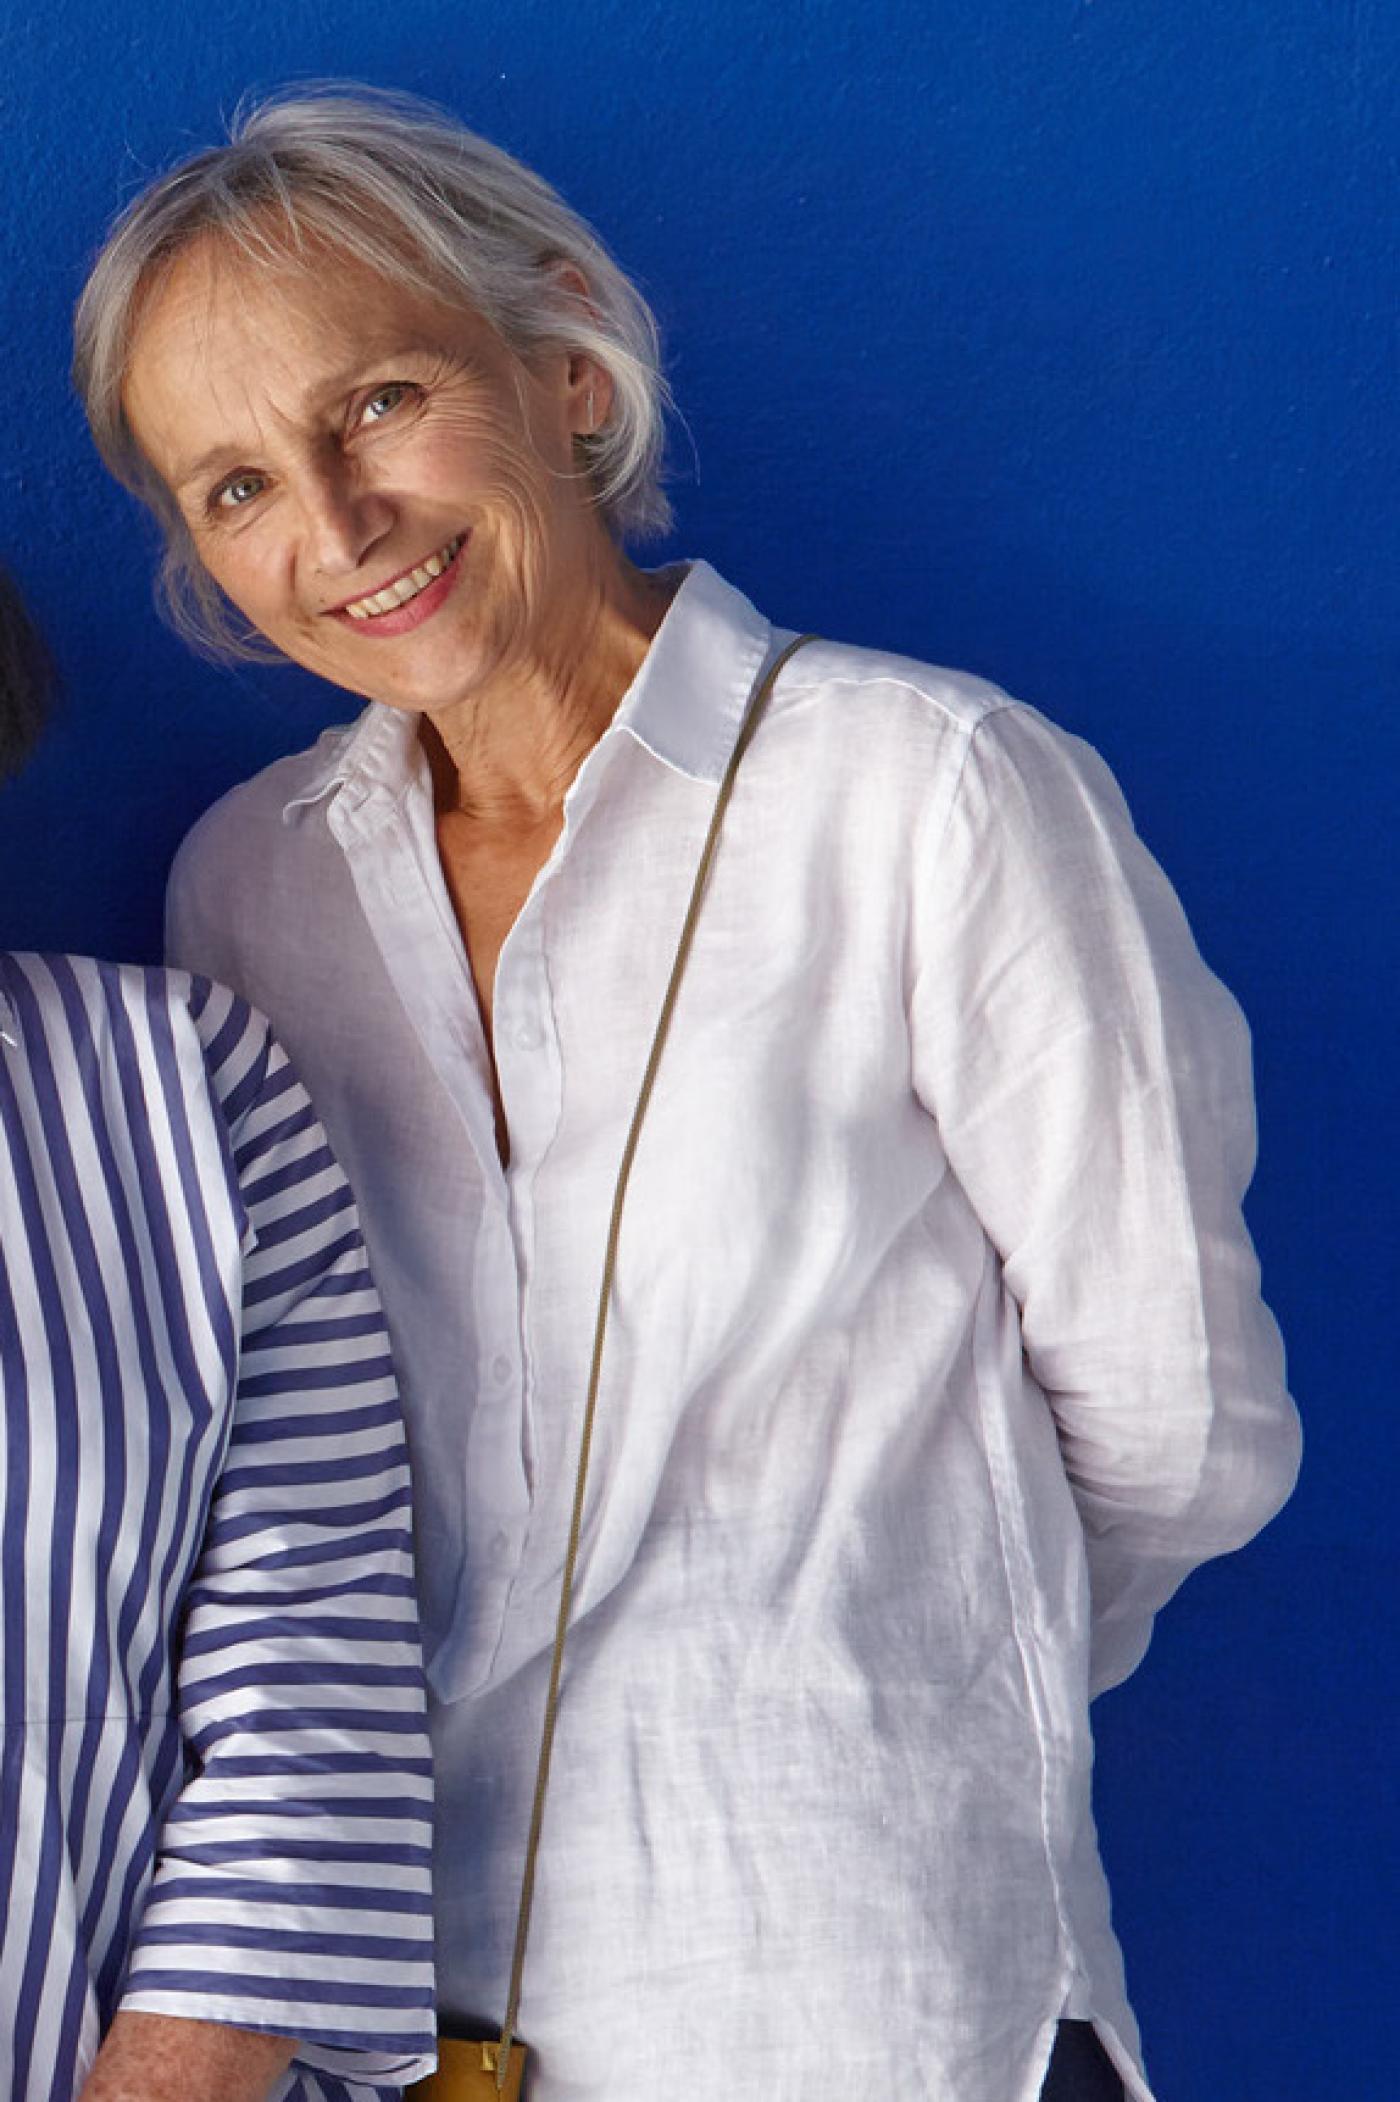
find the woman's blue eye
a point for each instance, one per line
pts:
(240, 490)
(384, 402)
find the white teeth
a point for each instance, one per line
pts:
(398, 594)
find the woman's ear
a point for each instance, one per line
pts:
(589, 383)
(591, 392)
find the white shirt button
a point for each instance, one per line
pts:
(528, 1035)
(500, 1370)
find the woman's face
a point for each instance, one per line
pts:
(378, 483)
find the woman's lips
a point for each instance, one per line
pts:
(422, 606)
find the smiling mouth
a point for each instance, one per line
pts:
(391, 596)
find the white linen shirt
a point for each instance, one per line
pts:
(933, 1278)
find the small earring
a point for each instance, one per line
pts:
(591, 417)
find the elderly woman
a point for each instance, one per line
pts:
(932, 1356)
(214, 1799)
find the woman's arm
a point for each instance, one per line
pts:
(1091, 1083)
(168, 2058)
(290, 1894)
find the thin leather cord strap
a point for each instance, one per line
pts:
(762, 695)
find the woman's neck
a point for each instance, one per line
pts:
(508, 755)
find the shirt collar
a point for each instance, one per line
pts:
(379, 751)
(685, 705)
(688, 699)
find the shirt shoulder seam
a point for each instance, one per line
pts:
(980, 698)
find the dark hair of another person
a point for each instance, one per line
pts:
(26, 680)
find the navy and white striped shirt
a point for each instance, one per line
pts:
(215, 1796)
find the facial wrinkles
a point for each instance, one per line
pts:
(510, 499)
(565, 606)
(195, 384)
(482, 476)
(485, 448)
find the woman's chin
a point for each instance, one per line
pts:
(429, 692)
(421, 681)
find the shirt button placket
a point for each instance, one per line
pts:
(528, 1058)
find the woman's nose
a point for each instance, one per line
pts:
(343, 520)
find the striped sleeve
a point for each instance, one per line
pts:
(291, 1891)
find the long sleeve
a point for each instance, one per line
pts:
(1091, 1083)
(291, 1889)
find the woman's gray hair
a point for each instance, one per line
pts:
(402, 187)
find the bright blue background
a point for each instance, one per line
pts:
(1053, 339)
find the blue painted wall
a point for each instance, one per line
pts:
(1054, 338)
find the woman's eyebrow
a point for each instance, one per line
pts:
(198, 470)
